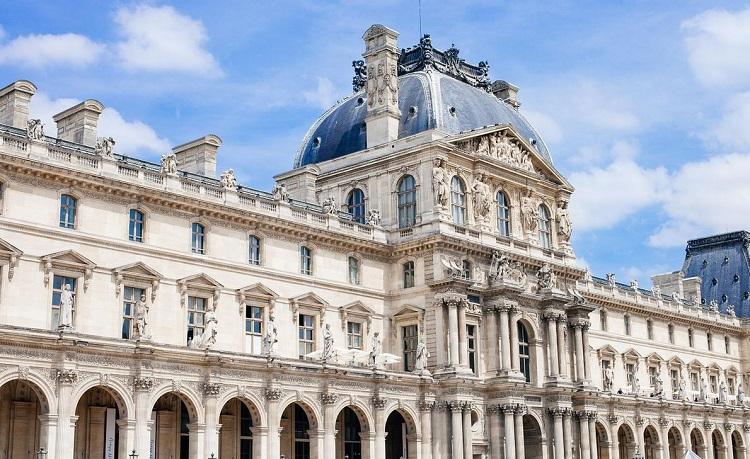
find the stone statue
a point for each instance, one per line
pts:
(545, 277)
(420, 362)
(658, 385)
(328, 350)
(656, 291)
(373, 217)
(529, 213)
(169, 164)
(212, 328)
(634, 285)
(329, 206)
(636, 386)
(723, 392)
(104, 146)
(713, 306)
(741, 394)
(730, 310)
(228, 180)
(682, 392)
(482, 200)
(270, 339)
(375, 349)
(440, 184)
(279, 192)
(141, 318)
(503, 269)
(609, 379)
(611, 279)
(703, 390)
(35, 129)
(360, 75)
(66, 308)
(564, 225)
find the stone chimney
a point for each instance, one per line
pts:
(198, 156)
(506, 92)
(14, 103)
(381, 58)
(78, 123)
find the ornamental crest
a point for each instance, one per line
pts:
(502, 147)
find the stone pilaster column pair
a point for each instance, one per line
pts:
(587, 430)
(581, 331)
(556, 328)
(507, 315)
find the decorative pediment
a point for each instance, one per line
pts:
(256, 292)
(714, 368)
(675, 362)
(607, 352)
(631, 354)
(696, 364)
(407, 313)
(654, 358)
(200, 282)
(68, 260)
(358, 310)
(310, 302)
(10, 255)
(137, 272)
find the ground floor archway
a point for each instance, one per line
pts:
(239, 420)
(21, 404)
(401, 438)
(651, 444)
(675, 444)
(602, 441)
(172, 417)
(718, 444)
(737, 445)
(532, 437)
(298, 432)
(98, 427)
(697, 445)
(349, 444)
(625, 441)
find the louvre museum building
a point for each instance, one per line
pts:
(407, 289)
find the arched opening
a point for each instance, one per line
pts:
(524, 352)
(651, 443)
(297, 422)
(400, 436)
(602, 441)
(21, 404)
(738, 446)
(355, 205)
(97, 429)
(676, 446)
(458, 200)
(719, 447)
(170, 433)
(239, 419)
(532, 437)
(407, 202)
(348, 435)
(625, 441)
(697, 445)
(545, 231)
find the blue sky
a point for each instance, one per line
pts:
(645, 105)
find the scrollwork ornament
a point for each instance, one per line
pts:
(273, 394)
(211, 389)
(143, 384)
(378, 402)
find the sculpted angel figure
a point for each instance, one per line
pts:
(440, 184)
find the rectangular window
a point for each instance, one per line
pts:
(254, 256)
(135, 226)
(466, 269)
(199, 238)
(306, 326)
(690, 337)
(605, 365)
(411, 339)
(253, 329)
(68, 206)
(305, 260)
(713, 381)
(652, 371)
(471, 341)
(710, 341)
(353, 270)
(629, 373)
(130, 297)
(674, 376)
(409, 274)
(603, 320)
(726, 344)
(670, 329)
(196, 315)
(627, 325)
(354, 335)
(694, 381)
(730, 385)
(58, 283)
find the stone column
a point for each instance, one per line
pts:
(496, 440)
(586, 362)
(196, 439)
(126, 429)
(568, 432)
(510, 436)
(504, 338)
(378, 404)
(614, 443)
(141, 388)
(457, 434)
(552, 347)
(468, 440)
(513, 340)
(453, 333)
(440, 439)
(559, 438)
(210, 392)
(274, 422)
(664, 424)
(260, 438)
(562, 322)
(67, 420)
(746, 437)
(585, 438)
(463, 356)
(329, 418)
(592, 435)
(580, 376)
(493, 361)
(48, 433)
(426, 408)
(518, 421)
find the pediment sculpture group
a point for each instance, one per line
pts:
(500, 146)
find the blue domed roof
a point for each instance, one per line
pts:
(428, 99)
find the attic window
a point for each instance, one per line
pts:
(736, 278)
(724, 298)
(452, 111)
(532, 141)
(726, 260)
(704, 264)
(316, 142)
(714, 281)
(363, 127)
(360, 101)
(746, 295)
(413, 110)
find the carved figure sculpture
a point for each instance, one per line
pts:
(611, 279)
(141, 318)
(453, 266)
(609, 379)
(35, 129)
(270, 339)
(328, 350)
(723, 392)
(503, 269)
(375, 349)
(741, 394)
(373, 217)
(658, 385)
(529, 213)
(169, 164)
(329, 206)
(360, 75)
(420, 362)
(482, 201)
(545, 277)
(104, 146)
(228, 180)
(66, 308)
(279, 192)
(703, 390)
(564, 225)
(440, 184)
(212, 328)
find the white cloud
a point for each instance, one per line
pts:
(718, 44)
(45, 50)
(548, 128)
(324, 95)
(733, 129)
(130, 136)
(162, 39)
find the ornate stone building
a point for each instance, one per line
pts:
(407, 290)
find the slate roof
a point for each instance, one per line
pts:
(722, 263)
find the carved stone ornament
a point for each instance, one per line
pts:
(382, 84)
(440, 186)
(453, 266)
(329, 206)
(211, 389)
(273, 394)
(360, 75)
(378, 402)
(66, 376)
(169, 164)
(228, 180)
(373, 217)
(425, 405)
(505, 270)
(35, 130)
(279, 192)
(500, 146)
(545, 277)
(105, 146)
(143, 384)
(328, 398)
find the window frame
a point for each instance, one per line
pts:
(408, 271)
(409, 345)
(254, 244)
(350, 335)
(253, 337)
(192, 326)
(502, 214)
(198, 236)
(132, 302)
(627, 324)
(64, 274)
(458, 201)
(524, 358)
(544, 225)
(352, 261)
(303, 327)
(64, 221)
(472, 347)
(406, 201)
(305, 260)
(134, 225)
(358, 209)
(603, 320)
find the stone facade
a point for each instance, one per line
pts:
(455, 325)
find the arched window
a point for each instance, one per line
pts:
(135, 226)
(458, 200)
(407, 201)
(305, 260)
(545, 236)
(254, 245)
(650, 329)
(68, 211)
(503, 214)
(523, 351)
(627, 324)
(355, 205)
(199, 238)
